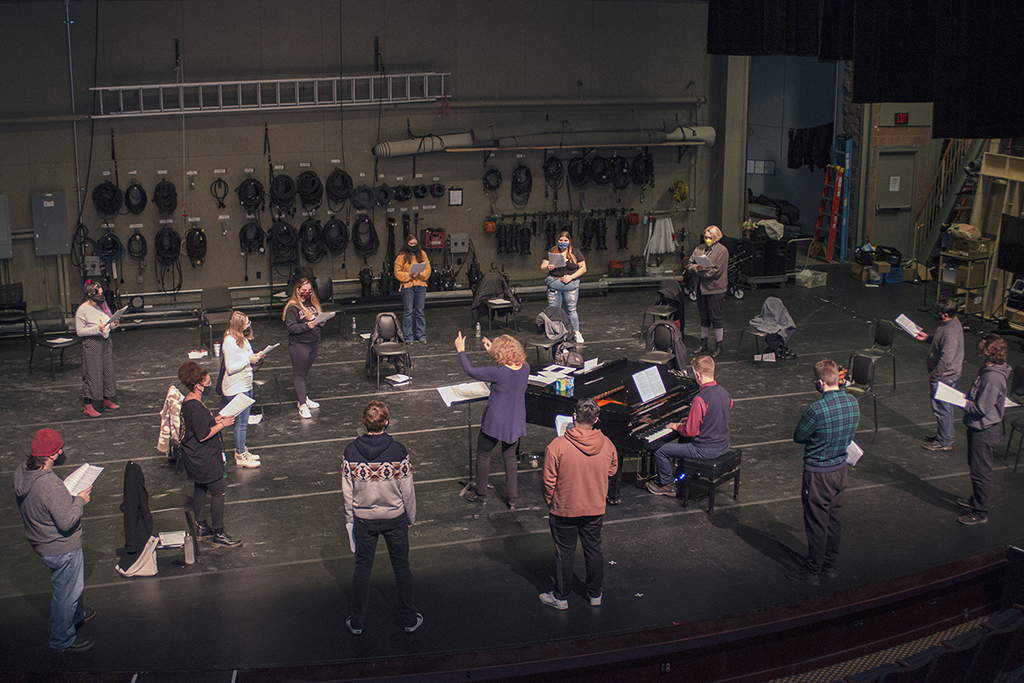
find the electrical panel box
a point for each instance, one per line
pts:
(6, 244)
(50, 224)
(460, 244)
(91, 266)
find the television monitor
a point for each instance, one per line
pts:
(1011, 245)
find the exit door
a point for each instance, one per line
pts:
(893, 224)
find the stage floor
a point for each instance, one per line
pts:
(281, 599)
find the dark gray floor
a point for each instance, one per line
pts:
(281, 599)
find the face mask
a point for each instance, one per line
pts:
(97, 297)
(61, 459)
(708, 241)
(305, 295)
(413, 246)
(563, 245)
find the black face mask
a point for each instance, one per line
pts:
(61, 459)
(97, 297)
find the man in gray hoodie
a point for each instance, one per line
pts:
(52, 518)
(983, 414)
(376, 482)
(945, 363)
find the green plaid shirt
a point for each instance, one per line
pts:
(826, 429)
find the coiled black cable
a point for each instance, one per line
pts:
(620, 173)
(363, 198)
(250, 241)
(137, 247)
(195, 245)
(338, 187)
(554, 174)
(251, 195)
(165, 197)
(135, 198)
(642, 170)
(80, 241)
(383, 195)
(600, 171)
(310, 190)
(403, 193)
(109, 248)
(579, 173)
(437, 190)
(219, 189)
(420, 191)
(282, 194)
(492, 180)
(108, 199)
(521, 186)
(311, 237)
(284, 243)
(336, 236)
(365, 240)
(167, 250)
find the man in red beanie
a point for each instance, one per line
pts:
(52, 518)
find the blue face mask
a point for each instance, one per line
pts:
(563, 245)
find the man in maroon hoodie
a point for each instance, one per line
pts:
(576, 470)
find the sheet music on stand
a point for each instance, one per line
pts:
(468, 391)
(649, 384)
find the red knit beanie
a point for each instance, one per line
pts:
(46, 442)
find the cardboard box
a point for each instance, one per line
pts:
(1017, 317)
(971, 275)
(882, 267)
(948, 275)
(966, 247)
(858, 272)
(974, 304)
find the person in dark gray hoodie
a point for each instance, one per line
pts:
(983, 414)
(53, 524)
(376, 483)
(945, 363)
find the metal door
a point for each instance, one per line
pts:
(894, 200)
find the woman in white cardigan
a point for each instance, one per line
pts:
(238, 360)
(92, 324)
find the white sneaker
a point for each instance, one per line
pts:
(579, 337)
(311, 403)
(245, 461)
(304, 411)
(550, 600)
(253, 456)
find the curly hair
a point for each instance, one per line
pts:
(994, 348)
(190, 374)
(507, 351)
(375, 416)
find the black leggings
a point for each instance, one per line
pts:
(218, 492)
(484, 446)
(303, 356)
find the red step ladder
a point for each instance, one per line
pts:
(828, 210)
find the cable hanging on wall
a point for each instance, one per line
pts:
(108, 200)
(311, 238)
(165, 197)
(167, 253)
(521, 186)
(195, 245)
(338, 189)
(250, 241)
(365, 240)
(336, 236)
(310, 190)
(219, 189)
(135, 198)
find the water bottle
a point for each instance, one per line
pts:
(478, 330)
(353, 326)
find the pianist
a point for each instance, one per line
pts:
(706, 429)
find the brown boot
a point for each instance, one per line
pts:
(90, 411)
(110, 405)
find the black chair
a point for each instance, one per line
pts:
(386, 342)
(49, 330)
(994, 650)
(662, 353)
(875, 674)
(909, 674)
(325, 295)
(862, 370)
(13, 308)
(882, 348)
(755, 335)
(952, 663)
(215, 311)
(659, 312)
(1017, 424)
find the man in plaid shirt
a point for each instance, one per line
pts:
(826, 429)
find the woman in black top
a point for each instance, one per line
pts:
(303, 339)
(203, 454)
(563, 281)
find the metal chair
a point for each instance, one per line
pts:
(882, 347)
(656, 313)
(49, 330)
(1017, 424)
(863, 373)
(386, 346)
(215, 312)
(662, 353)
(502, 308)
(13, 307)
(755, 334)
(259, 382)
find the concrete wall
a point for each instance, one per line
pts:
(501, 54)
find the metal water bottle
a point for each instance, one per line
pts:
(353, 326)
(478, 330)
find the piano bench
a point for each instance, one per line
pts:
(714, 473)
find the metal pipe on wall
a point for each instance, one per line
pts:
(62, 275)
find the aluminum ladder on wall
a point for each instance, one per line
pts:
(126, 101)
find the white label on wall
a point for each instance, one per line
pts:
(335, 161)
(106, 173)
(164, 172)
(220, 170)
(190, 172)
(894, 183)
(224, 217)
(250, 170)
(304, 164)
(132, 172)
(133, 226)
(399, 177)
(166, 221)
(278, 167)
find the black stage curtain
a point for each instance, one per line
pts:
(763, 27)
(836, 32)
(894, 51)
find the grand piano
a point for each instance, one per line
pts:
(632, 424)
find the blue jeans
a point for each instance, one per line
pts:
(414, 299)
(943, 415)
(241, 425)
(67, 575)
(565, 296)
(682, 450)
(395, 531)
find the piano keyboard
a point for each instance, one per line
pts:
(651, 438)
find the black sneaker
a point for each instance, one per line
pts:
(89, 614)
(80, 645)
(221, 538)
(972, 518)
(804, 576)
(936, 446)
(414, 627)
(470, 494)
(829, 572)
(203, 529)
(965, 503)
(355, 631)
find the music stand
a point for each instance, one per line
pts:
(451, 396)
